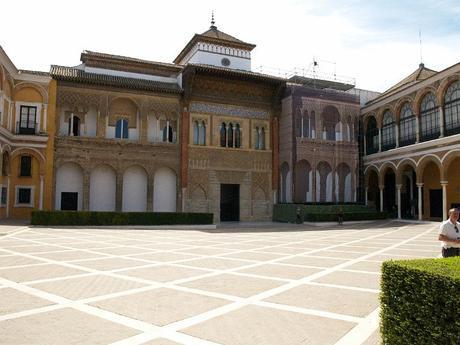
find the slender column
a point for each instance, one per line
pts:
(381, 197)
(71, 125)
(398, 195)
(420, 198)
(86, 190)
(313, 185)
(119, 192)
(365, 145)
(397, 135)
(365, 196)
(417, 128)
(444, 199)
(150, 194)
(158, 131)
(441, 121)
(380, 140)
(334, 186)
(167, 131)
(40, 200)
(45, 115)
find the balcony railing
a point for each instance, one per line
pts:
(27, 130)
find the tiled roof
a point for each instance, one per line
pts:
(236, 72)
(77, 75)
(214, 33)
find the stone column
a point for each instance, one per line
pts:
(143, 125)
(86, 190)
(380, 140)
(119, 192)
(417, 128)
(334, 185)
(398, 196)
(313, 185)
(45, 115)
(420, 199)
(441, 121)
(40, 199)
(381, 197)
(444, 200)
(150, 194)
(397, 135)
(365, 145)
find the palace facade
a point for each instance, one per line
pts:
(207, 134)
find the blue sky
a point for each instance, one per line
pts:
(375, 42)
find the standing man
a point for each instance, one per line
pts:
(449, 234)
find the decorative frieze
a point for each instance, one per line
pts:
(230, 110)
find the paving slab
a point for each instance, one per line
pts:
(13, 301)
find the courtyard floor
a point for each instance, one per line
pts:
(265, 284)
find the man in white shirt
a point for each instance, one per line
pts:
(449, 234)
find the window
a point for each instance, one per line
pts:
(196, 133)
(74, 126)
(3, 197)
(168, 134)
(199, 133)
(230, 135)
(121, 129)
(372, 136)
(260, 138)
(223, 135)
(27, 120)
(26, 166)
(237, 136)
(388, 131)
(429, 118)
(305, 125)
(452, 109)
(24, 196)
(407, 130)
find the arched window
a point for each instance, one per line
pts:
(195, 133)
(372, 136)
(452, 109)
(230, 135)
(331, 119)
(74, 126)
(256, 146)
(312, 125)
(237, 136)
(407, 126)
(429, 118)
(388, 131)
(167, 133)
(223, 135)
(121, 129)
(262, 139)
(202, 133)
(305, 125)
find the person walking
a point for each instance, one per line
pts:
(449, 234)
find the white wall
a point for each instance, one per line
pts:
(289, 187)
(164, 194)
(329, 187)
(348, 192)
(69, 178)
(102, 189)
(152, 128)
(91, 123)
(134, 190)
(310, 187)
(215, 59)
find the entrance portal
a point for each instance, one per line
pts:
(229, 202)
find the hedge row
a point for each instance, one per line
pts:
(347, 216)
(420, 302)
(119, 218)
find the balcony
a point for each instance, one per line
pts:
(29, 129)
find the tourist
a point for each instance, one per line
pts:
(449, 234)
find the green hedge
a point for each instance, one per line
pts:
(119, 218)
(420, 302)
(324, 213)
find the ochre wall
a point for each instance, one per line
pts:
(453, 179)
(49, 152)
(430, 181)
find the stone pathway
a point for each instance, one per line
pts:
(281, 285)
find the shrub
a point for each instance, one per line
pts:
(420, 302)
(118, 218)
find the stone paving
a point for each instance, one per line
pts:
(266, 284)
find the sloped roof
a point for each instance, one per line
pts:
(78, 75)
(421, 73)
(213, 35)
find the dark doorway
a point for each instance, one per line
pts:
(69, 201)
(435, 203)
(229, 202)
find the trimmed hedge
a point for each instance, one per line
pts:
(324, 213)
(420, 302)
(118, 218)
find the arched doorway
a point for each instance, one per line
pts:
(343, 183)
(389, 192)
(323, 182)
(409, 196)
(134, 190)
(432, 190)
(302, 182)
(373, 192)
(102, 189)
(69, 187)
(285, 183)
(165, 189)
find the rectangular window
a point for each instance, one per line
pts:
(24, 196)
(26, 166)
(121, 129)
(3, 196)
(27, 120)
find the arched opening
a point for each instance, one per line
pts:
(74, 126)
(69, 187)
(343, 183)
(134, 190)
(195, 133)
(223, 135)
(312, 120)
(302, 184)
(331, 119)
(164, 195)
(230, 135)
(323, 182)
(388, 131)
(237, 136)
(168, 133)
(202, 133)
(407, 126)
(373, 192)
(452, 109)
(372, 136)
(429, 118)
(453, 179)
(102, 189)
(432, 191)
(389, 192)
(409, 194)
(121, 129)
